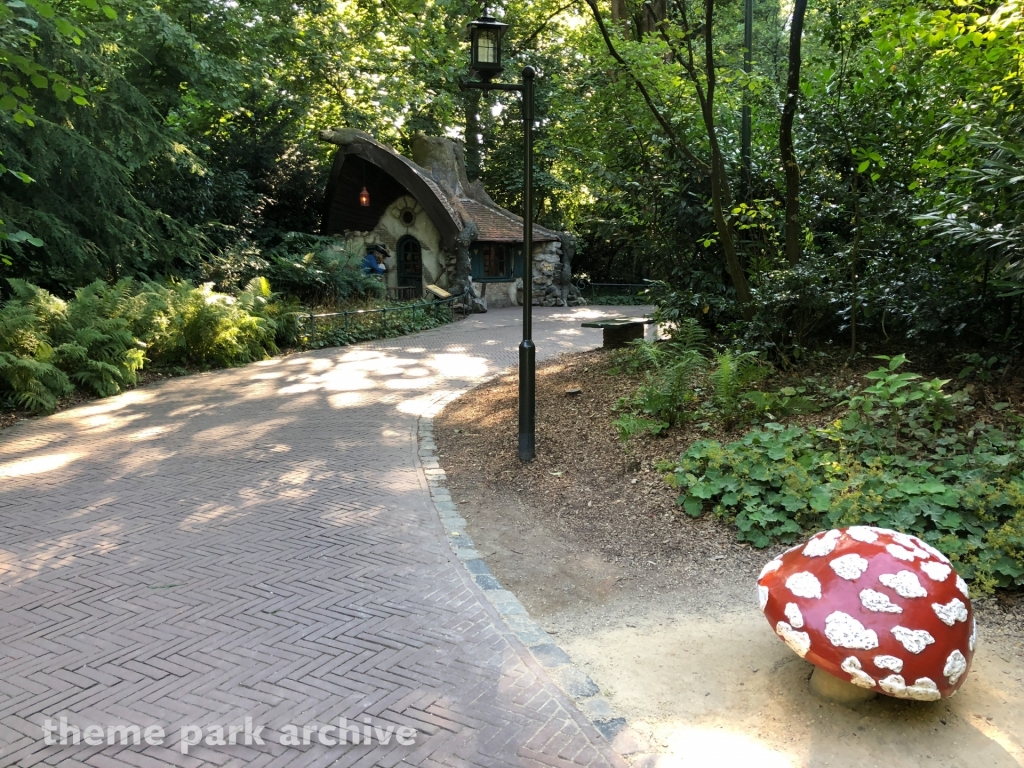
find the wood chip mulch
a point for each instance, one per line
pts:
(607, 496)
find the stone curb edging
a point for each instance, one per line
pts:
(572, 680)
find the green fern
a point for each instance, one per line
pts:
(28, 377)
(733, 375)
(688, 334)
(96, 346)
(629, 426)
(32, 383)
(646, 355)
(189, 325)
(636, 356)
(93, 340)
(785, 402)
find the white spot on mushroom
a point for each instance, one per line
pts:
(914, 640)
(762, 596)
(905, 583)
(903, 540)
(962, 586)
(912, 543)
(862, 533)
(936, 571)
(900, 553)
(923, 689)
(793, 614)
(974, 635)
(884, 661)
(951, 612)
(858, 676)
(878, 602)
(933, 552)
(800, 642)
(804, 584)
(771, 565)
(844, 631)
(849, 567)
(956, 665)
(823, 544)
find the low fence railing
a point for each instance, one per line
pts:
(342, 328)
(593, 291)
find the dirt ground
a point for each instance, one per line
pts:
(660, 609)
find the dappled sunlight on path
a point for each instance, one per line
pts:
(259, 542)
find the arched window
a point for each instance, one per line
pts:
(410, 262)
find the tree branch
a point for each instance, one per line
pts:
(662, 121)
(543, 25)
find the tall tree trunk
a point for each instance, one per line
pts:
(854, 253)
(721, 201)
(472, 102)
(655, 12)
(789, 164)
(721, 196)
(620, 13)
(720, 193)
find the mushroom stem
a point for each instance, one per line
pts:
(838, 691)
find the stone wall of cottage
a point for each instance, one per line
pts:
(390, 229)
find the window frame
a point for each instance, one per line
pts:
(512, 256)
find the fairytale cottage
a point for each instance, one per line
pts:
(436, 226)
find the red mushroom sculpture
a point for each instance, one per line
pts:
(881, 609)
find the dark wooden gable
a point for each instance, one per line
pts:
(344, 213)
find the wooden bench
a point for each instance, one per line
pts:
(618, 331)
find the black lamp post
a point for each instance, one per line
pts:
(485, 38)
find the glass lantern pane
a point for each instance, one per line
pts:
(487, 47)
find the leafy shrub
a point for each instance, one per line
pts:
(982, 368)
(617, 300)
(355, 326)
(319, 272)
(677, 376)
(905, 457)
(49, 343)
(182, 324)
(28, 377)
(793, 305)
(709, 307)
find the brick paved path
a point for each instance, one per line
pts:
(260, 543)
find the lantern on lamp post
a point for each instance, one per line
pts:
(485, 46)
(485, 36)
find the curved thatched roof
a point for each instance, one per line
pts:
(358, 151)
(363, 161)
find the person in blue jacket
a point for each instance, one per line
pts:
(373, 264)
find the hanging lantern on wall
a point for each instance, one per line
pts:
(364, 198)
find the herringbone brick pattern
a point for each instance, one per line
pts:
(260, 543)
